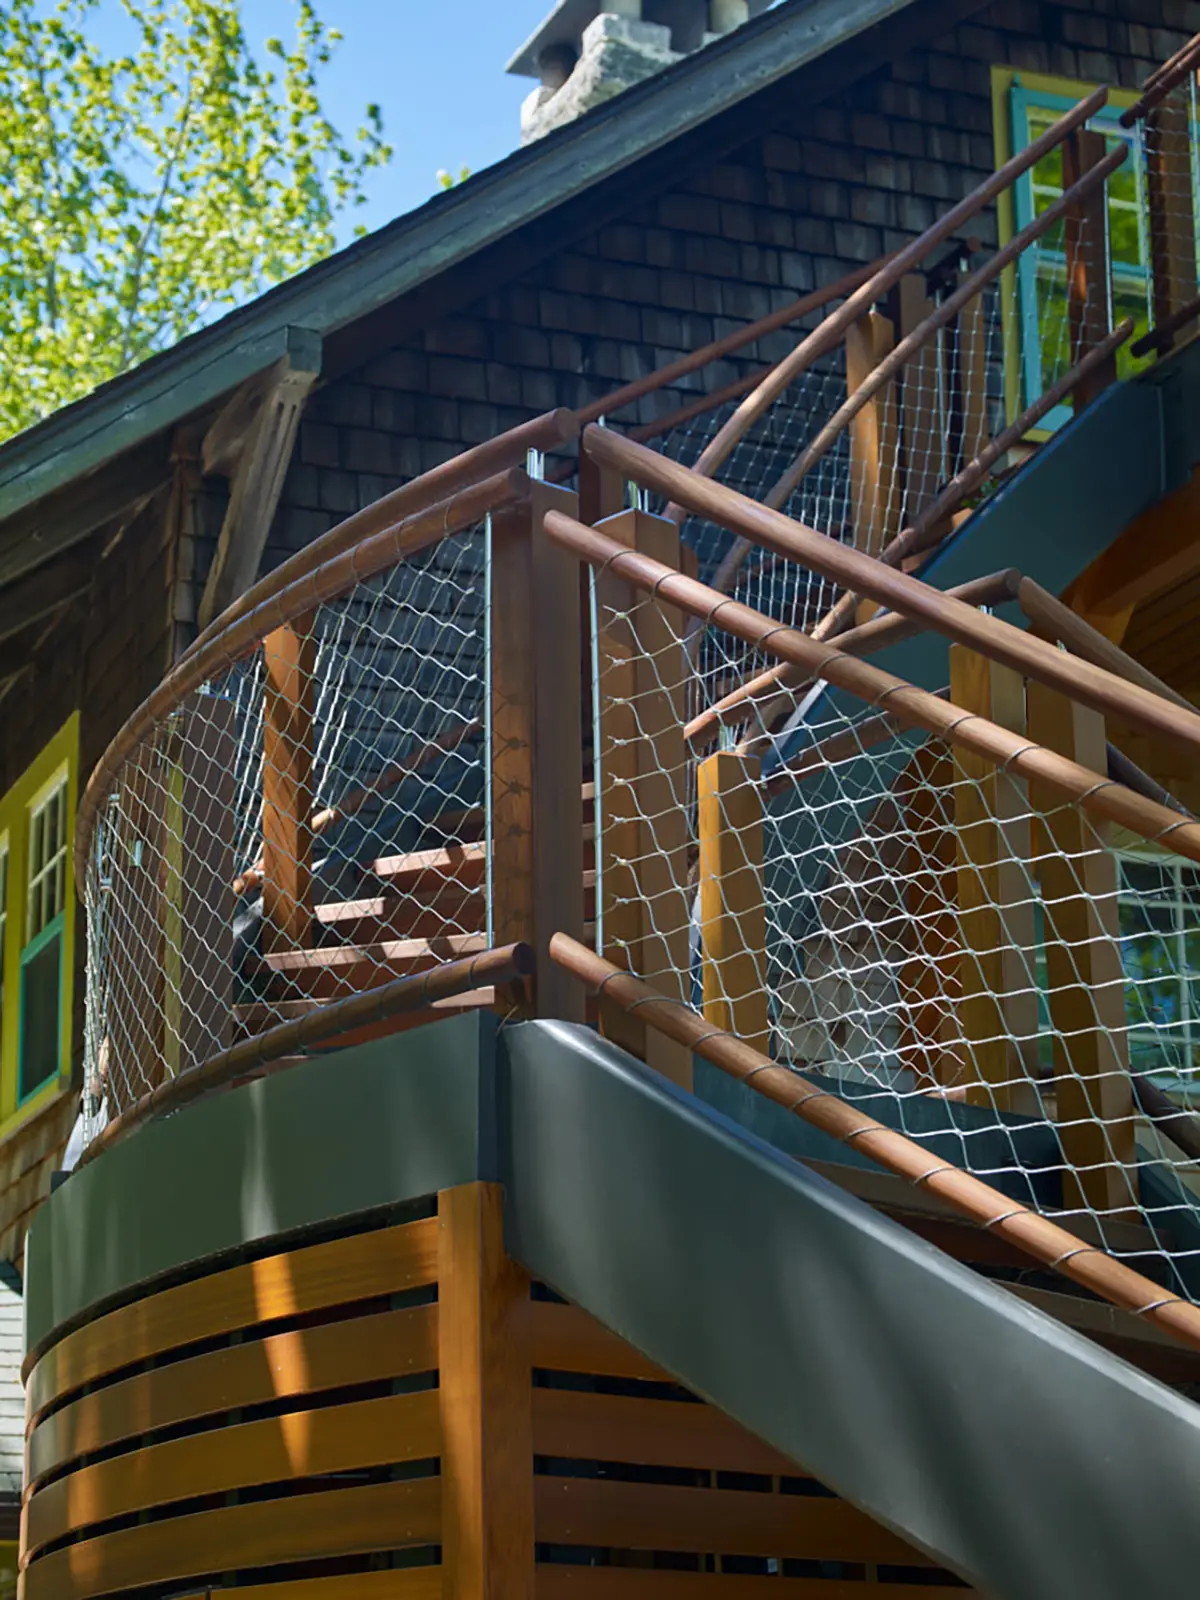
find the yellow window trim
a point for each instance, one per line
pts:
(58, 757)
(1002, 144)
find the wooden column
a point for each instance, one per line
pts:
(537, 748)
(929, 981)
(1172, 212)
(485, 1401)
(1078, 876)
(924, 418)
(1089, 269)
(289, 656)
(199, 901)
(644, 799)
(972, 379)
(874, 491)
(997, 926)
(733, 926)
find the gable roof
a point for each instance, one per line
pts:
(368, 274)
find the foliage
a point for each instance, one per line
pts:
(148, 190)
(447, 180)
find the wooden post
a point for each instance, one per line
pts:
(929, 981)
(289, 656)
(199, 901)
(924, 414)
(485, 1400)
(733, 926)
(1172, 212)
(972, 378)
(874, 492)
(1078, 876)
(643, 791)
(537, 747)
(997, 926)
(1089, 269)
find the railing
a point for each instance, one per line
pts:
(409, 757)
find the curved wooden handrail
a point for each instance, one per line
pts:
(898, 591)
(243, 632)
(505, 964)
(915, 708)
(912, 343)
(999, 1214)
(1162, 81)
(435, 487)
(833, 329)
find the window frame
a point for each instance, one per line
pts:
(1186, 1034)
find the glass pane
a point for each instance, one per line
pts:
(40, 984)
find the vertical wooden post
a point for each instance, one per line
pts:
(1089, 269)
(601, 490)
(198, 900)
(972, 378)
(485, 1399)
(997, 923)
(1078, 877)
(1172, 212)
(874, 497)
(924, 419)
(733, 924)
(289, 656)
(929, 981)
(644, 800)
(537, 748)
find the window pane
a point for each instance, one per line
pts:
(41, 976)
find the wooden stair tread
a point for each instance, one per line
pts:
(387, 953)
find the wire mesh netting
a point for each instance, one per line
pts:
(966, 956)
(306, 826)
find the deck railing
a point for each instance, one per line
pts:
(639, 716)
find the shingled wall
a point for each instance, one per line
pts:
(819, 192)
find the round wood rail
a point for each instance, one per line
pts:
(1040, 1238)
(243, 631)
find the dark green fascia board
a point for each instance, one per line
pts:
(344, 1135)
(417, 247)
(135, 407)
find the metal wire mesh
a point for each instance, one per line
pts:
(307, 826)
(968, 957)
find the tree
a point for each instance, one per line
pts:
(145, 192)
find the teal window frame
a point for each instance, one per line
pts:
(54, 929)
(1107, 122)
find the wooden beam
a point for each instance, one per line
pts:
(485, 1395)
(537, 748)
(874, 497)
(289, 656)
(733, 931)
(971, 379)
(262, 463)
(1077, 873)
(1089, 267)
(924, 416)
(998, 1004)
(1168, 146)
(1156, 552)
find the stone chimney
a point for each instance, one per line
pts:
(587, 51)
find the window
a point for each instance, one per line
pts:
(37, 927)
(1159, 908)
(41, 956)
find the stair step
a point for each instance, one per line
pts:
(420, 870)
(335, 971)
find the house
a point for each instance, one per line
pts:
(452, 708)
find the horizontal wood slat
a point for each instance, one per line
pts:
(628, 1583)
(653, 1433)
(387, 1344)
(403, 1583)
(341, 1522)
(566, 1339)
(299, 1444)
(652, 1516)
(361, 1266)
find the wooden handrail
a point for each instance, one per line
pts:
(253, 1056)
(945, 313)
(781, 682)
(436, 487)
(917, 708)
(243, 633)
(1000, 641)
(663, 377)
(999, 1214)
(1161, 338)
(833, 329)
(1162, 80)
